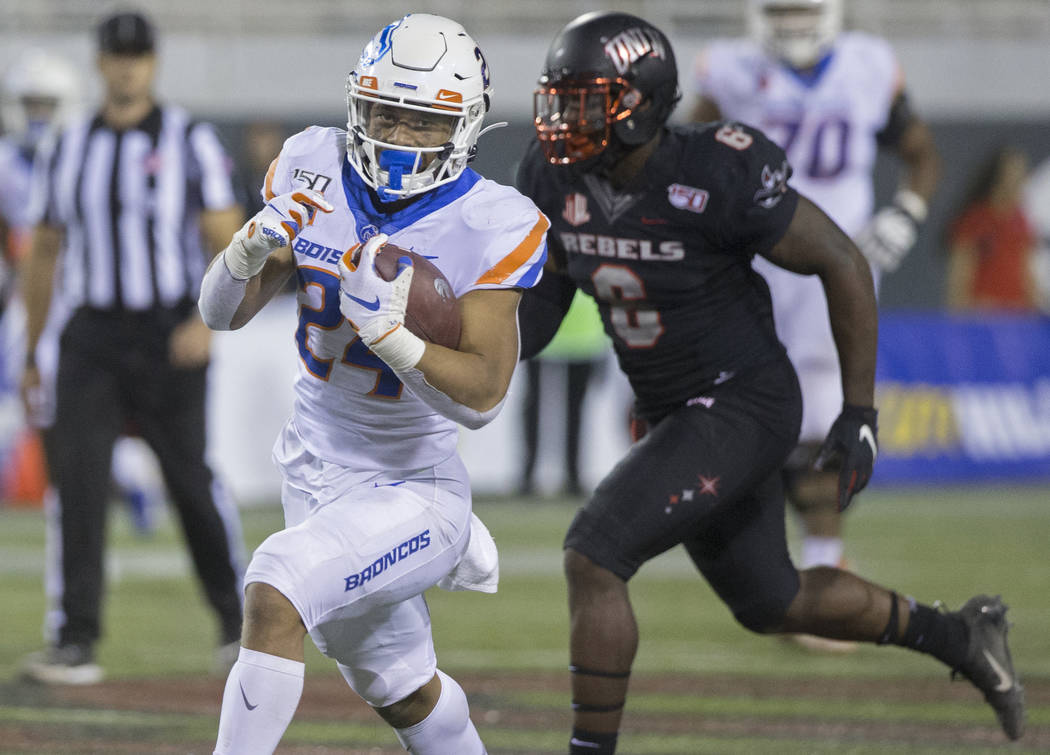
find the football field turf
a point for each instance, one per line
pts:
(701, 684)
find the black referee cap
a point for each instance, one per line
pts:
(126, 34)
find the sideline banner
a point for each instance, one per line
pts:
(963, 397)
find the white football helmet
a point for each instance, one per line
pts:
(39, 91)
(427, 65)
(799, 32)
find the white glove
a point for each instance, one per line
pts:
(891, 234)
(375, 307)
(276, 225)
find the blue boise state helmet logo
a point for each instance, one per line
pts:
(379, 46)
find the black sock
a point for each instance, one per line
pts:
(591, 743)
(941, 635)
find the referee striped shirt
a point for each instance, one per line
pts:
(129, 201)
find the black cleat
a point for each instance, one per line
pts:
(988, 664)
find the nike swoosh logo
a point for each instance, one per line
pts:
(581, 743)
(371, 306)
(388, 484)
(447, 95)
(653, 221)
(1005, 680)
(247, 704)
(867, 435)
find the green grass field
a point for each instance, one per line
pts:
(701, 684)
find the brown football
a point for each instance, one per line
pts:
(433, 310)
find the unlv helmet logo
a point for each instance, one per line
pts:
(575, 212)
(632, 45)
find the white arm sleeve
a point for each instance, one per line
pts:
(221, 295)
(445, 406)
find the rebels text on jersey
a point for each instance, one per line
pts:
(668, 259)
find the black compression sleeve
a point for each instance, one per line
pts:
(541, 311)
(901, 116)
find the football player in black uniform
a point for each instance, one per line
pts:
(659, 224)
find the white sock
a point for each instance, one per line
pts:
(262, 693)
(447, 729)
(821, 551)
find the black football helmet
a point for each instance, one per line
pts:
(609, 79)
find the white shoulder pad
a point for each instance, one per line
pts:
(310, 159)
(493, 205)
(873, 59)
(726, 66)
(514, 233)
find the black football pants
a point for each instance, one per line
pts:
(114, 372)
(707, 476)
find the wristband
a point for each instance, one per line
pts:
(399, 348)
(911, 203)
(238, 262)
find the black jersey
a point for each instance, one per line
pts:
(669, 259)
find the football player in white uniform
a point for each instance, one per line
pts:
(377, 502)
(37, 93)
(830, 99)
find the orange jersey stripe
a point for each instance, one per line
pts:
(503, 269)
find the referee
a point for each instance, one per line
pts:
(128, 200)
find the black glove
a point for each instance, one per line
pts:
(851, 447)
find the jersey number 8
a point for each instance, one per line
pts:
(733, 136)
(624, 291)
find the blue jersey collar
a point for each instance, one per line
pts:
(810, 76)
(370, 219)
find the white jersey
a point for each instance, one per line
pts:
(17, 169)
(16, 166)
(350, 408)
(826, 126)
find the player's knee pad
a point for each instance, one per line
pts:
(380, 687)
(762, 615)
(384, 655)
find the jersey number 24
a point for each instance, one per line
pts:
(328, 317)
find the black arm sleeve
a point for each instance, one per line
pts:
(541, 311)
(901, 116)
